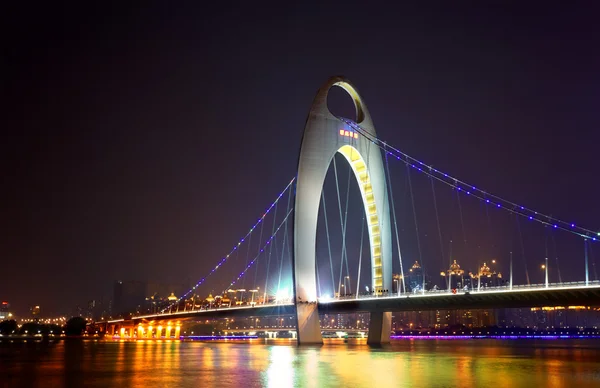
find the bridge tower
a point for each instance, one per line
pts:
(324, 136)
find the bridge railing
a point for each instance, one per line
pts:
(416, 293)
(470, 290)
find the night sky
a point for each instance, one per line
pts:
(140, 143)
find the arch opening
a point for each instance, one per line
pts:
(340, 102)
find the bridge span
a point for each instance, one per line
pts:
(557, 294)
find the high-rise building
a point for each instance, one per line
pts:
(5, 313)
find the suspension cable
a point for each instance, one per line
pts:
(523, 250)
(362, 232)
(591, 252)
(259, 244)
(462, 222)
(247, 258)
(474, 191)
(269, 257)
(261, 251)
(492, 246)
(412, 199)
(337, 186)
(387, 167)
(437, 217)
(285, 236)
(556, 257)
(328, 244)
(235, 248)
(346, 226)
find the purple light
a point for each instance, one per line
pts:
(499, 205)
(487, 200)
(220, 337)
(555, 226)
(530, 217)
(572, 225)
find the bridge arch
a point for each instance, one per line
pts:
(324, 136)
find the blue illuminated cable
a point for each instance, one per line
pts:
(235, 248)
(473, 191)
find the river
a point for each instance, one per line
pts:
(279, 363)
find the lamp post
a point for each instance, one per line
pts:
(511, 271)
(231, 291)
(241, 291)
(253, 292)
(349, 289)
(545, 268)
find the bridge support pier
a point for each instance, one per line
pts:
(309, 327)
(380, 327)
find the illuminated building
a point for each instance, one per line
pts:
(35, 311)
(488, 278)
(5, 313)
(416, 278)
(454, 275)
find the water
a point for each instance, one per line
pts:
(279, 363)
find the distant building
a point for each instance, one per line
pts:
(5, 313)
(457, 278)
(35, 311)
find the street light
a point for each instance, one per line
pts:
(241, 291)
(253, 292)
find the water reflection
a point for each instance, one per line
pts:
(410, 363)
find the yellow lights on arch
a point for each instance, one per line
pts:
(359, 166)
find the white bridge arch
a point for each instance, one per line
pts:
(324, 136)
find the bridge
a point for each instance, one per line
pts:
(298, 273)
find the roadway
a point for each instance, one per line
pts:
(539, 295)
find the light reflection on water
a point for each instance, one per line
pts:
(279, 363)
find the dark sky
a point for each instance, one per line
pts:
(141, 142)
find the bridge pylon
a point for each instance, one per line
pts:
(324, 136)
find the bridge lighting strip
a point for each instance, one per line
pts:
(219, 337)
(473, 191)
(261, 250)
(235, 247)
(493, 336)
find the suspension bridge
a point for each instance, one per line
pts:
(300, 259)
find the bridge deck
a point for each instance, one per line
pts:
(523, 296)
